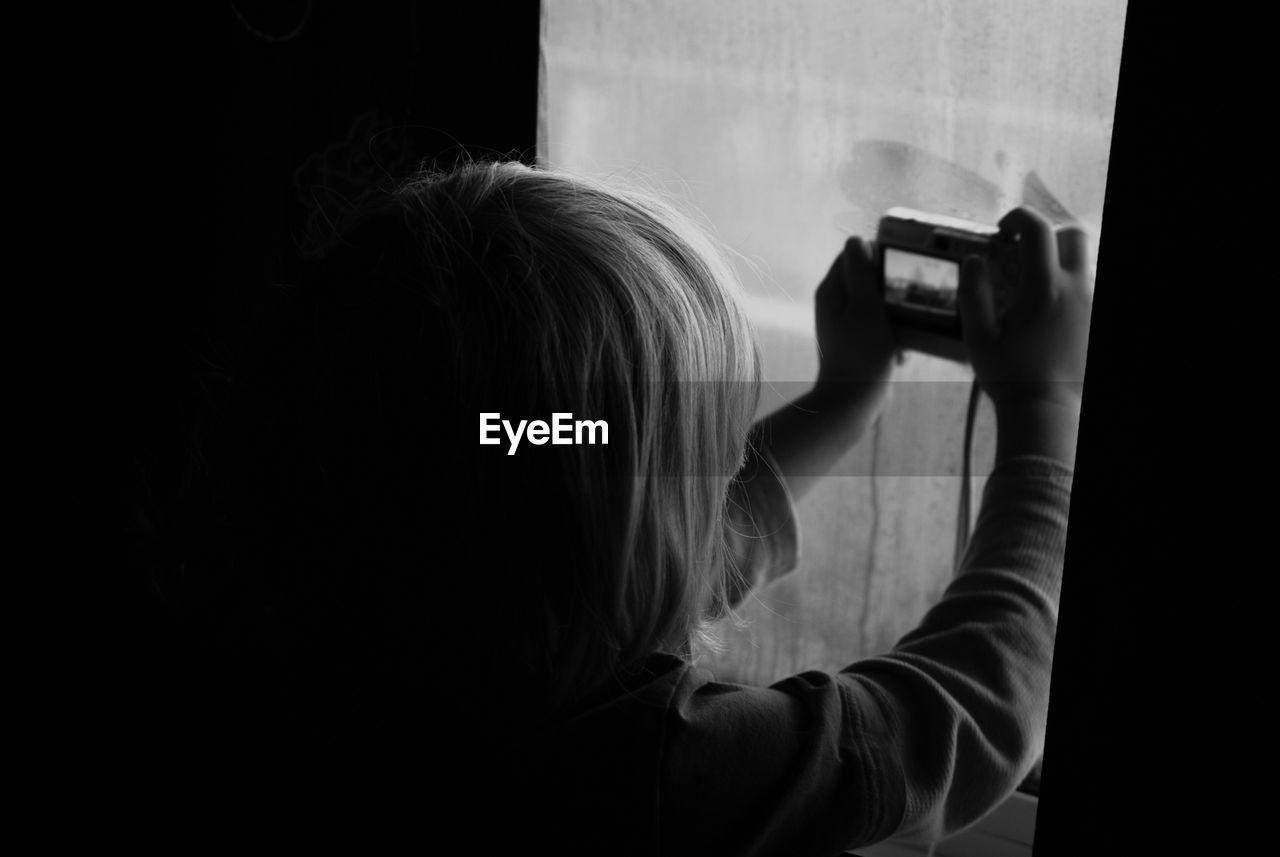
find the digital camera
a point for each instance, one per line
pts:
(919, 256)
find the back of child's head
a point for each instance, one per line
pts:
(364, 538)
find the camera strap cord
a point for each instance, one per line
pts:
(964, 516)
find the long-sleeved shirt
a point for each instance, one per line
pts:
(666, 760)
(918, 742)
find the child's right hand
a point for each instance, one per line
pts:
(1031, 358)
(1036, 350)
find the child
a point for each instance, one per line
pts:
(414, 638)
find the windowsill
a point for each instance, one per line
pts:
(1007, 832)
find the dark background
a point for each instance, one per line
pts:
(197, 136)
(237, 118)
(1156, 732)
(176, 143)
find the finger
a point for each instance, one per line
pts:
(976, 301)
(833, 293)
(1073, 248)
(861, 278)
(1037, 252)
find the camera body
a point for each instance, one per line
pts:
(918, 255)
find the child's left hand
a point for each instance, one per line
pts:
(856, 346)
(857, 352)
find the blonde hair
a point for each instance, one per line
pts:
(611, 305)
(495, 287)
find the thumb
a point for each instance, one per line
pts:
(1073, 248)
(977, 303)
(861, 277)
(833, 291)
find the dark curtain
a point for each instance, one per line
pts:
(202, 140)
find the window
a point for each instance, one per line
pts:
(788, 125)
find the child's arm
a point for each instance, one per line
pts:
(857, 353)
(925, 739)
(792, 448)
(965, 695)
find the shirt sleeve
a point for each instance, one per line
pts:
(919, 742)
(762, 537)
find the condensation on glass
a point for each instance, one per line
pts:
(788, 125)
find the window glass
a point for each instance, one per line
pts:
(787, 125)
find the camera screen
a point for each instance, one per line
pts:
(920, 282)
